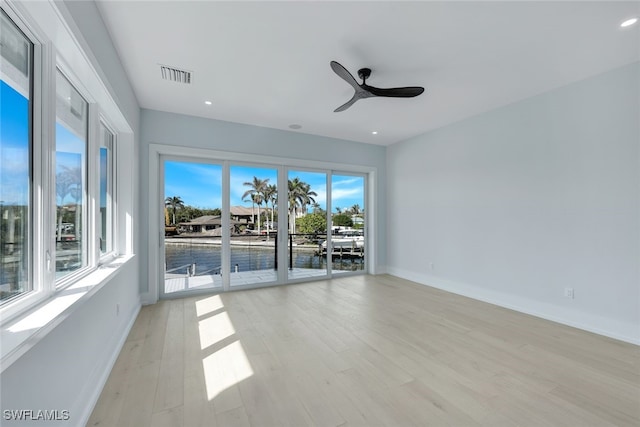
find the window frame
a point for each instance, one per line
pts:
(111, 251)
(36, 290)
(37, 22)
(89, 222)
(88, 228)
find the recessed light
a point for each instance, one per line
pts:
(375, 132)
(207, 102)
(629, 22)
(295, 126)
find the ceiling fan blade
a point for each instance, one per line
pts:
(347, 104)
(344, 74)
(397, 92)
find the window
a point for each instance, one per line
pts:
(59, 125)
(70, 180)
(16, 73)
(105, 207)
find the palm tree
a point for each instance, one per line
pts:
(307, 197)
(174, 203)
(355, 209)
(338, 210)
(300, 196)
(295, 200)
(252, 197)
(271, 196)
(256, 191)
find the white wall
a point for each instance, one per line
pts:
(180, 130)
(67, 368)
(516, 204)
(86, 22)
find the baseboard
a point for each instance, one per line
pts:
(380, 269)
(96, 383)
(147, 299)
(612, 328)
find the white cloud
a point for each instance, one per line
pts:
(339, 181)
(351, 193)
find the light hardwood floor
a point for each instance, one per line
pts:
(360, 351)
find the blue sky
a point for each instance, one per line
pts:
(70, 154)
(200, 184)
(14, 149)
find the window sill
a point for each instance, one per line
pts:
(26, 330)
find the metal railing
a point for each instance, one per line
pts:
(253, 251)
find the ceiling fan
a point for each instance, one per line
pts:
(365, 91)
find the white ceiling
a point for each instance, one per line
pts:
(267, 63)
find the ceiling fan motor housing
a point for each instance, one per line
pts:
(364, 73)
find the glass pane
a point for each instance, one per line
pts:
(347, 223)
(15, 159)
(105, 216)
(70, 169)
(307, 216)
(254, 219)
(193, 226)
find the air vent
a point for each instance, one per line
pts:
(175, 74)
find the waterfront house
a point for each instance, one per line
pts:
(201, 224)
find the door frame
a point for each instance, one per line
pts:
(366, 207)
(155, 244)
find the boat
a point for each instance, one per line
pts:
(348, 242)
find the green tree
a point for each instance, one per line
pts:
(312, 223)
(342, 220)
(300, 196)
(188, 213)
(271, 196)
(256, 191)
(214, 212)
(174, 203)
(307, 196)
(317, 208)
(252, 197)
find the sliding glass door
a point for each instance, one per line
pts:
(348, 222)
(254, 216)
(307, 224)
(192, 226)
(224, 229)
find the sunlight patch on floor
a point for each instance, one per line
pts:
(225, 368)
(214, 329)
(208, 305)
